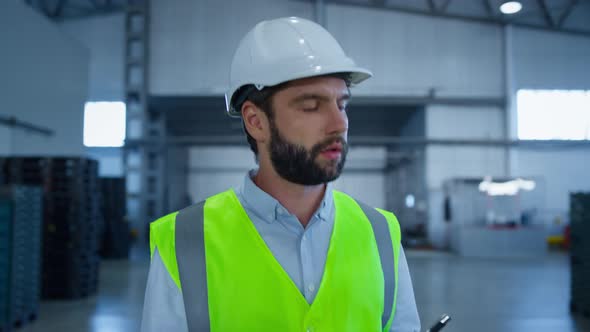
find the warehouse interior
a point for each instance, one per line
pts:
(474, 131)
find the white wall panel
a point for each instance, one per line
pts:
(454, 122)
(545, 60)
(193, 41)
(445, 162)
(177, 181)
(110, 161)
(564, 171)
(104, 37)
(206, 184)
(466, 122)
(410, 54)
(363, 177)
(236, 158)
(366, 158)
(43, 81)
(368, 187)
(215, 169)
(5, 139)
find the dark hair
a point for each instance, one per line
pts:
(263, 100)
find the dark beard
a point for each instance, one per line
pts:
(297, 165)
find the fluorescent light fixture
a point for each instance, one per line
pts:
(510, 7)
(509, 188)
(104, 124)
(410, 201)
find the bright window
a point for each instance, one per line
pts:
(553, 114)
(104, 124)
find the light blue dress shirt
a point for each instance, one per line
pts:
(300, 251)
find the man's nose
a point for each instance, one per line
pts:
(338, 121)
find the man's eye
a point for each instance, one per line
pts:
(310, 107)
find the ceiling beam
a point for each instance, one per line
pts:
(60, 10)
(546, 13)
(488, 6)
(59, 7)
(566, 13)
(431, 5)
(444, 6)
(95, 4)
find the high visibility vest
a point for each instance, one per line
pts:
(230, 280)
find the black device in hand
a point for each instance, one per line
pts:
(443, 320)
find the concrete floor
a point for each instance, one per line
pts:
(492, 295)
(508, 295)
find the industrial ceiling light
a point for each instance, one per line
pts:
(509, 188)
(510, 7)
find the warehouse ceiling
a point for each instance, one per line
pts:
(71, 9)
(571, 16)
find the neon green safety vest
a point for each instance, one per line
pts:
(230, 280)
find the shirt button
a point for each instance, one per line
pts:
(311, 288)
(303, 238)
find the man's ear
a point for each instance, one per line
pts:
(255, 121)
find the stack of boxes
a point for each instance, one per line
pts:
(71, 221)
(115, 237)
(580, 252)
(21, 211)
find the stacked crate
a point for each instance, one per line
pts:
(21, 211)
(580, 252)
(5, 263)
(71, 221)
(72, 228)
(115, 236)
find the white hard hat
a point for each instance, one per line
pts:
(285, 49)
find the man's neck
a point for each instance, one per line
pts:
(300, 200)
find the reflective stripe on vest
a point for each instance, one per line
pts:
(190, 253)
(192, 275)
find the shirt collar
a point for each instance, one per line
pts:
(269, 209)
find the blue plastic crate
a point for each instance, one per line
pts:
(5, 211)
(5, 225)
(22, 256)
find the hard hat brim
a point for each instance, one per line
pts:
(357, 75)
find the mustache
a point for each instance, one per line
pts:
(329, 141)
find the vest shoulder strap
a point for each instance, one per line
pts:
(387, 236)
(190, 247)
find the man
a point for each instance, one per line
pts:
(283, 252)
